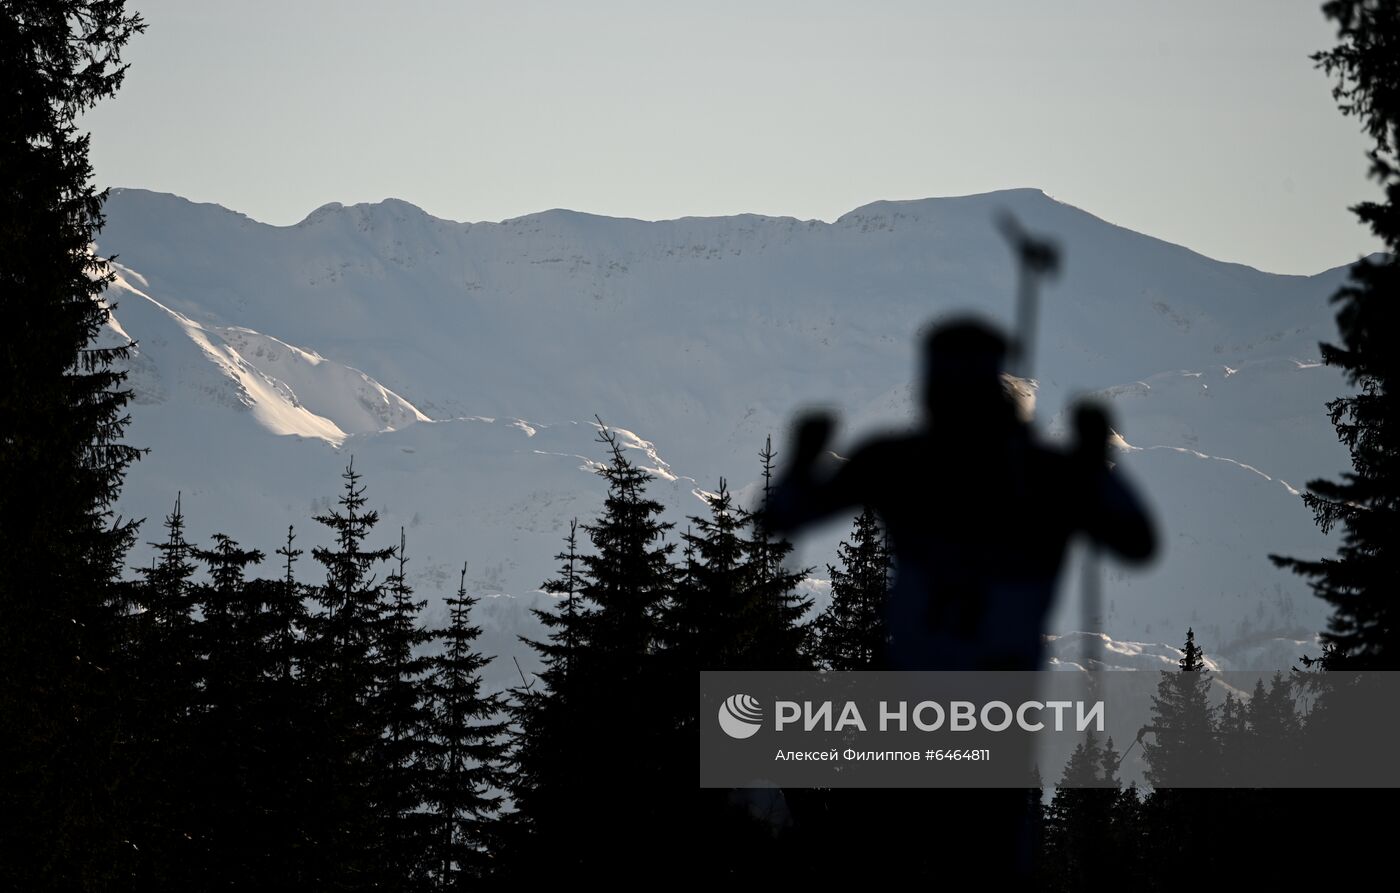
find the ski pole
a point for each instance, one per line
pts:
(1038, 259)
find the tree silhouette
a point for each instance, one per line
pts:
(467, 752)
(708, 620)
(1359, 582)
(599, 799)
(254, 734)
(1182, 756)
(227, 731)
(781, 638)
(401, 705)
(343, 669)
(61, 458)
(543, 715)
(1091, 830)
(1182, 748)
(851, 630)
(165, 667)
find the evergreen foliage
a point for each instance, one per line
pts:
(850, 633)
(1359, 582)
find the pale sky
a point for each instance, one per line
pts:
(1203, 123)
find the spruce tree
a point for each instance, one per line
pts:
(165, 667)
(596, 775)
(467, 755)
(543, 715)
(1275, 730)
(400, 702)
(1237, 744)
(628, 575)
(1182, 748)
(342, 668)
(1182, 756)
(167, 593)
(708, 621)
(227, 732)
(566, 620)
(721, 616)
(781, 638)
(288, 719)
(229, 635)
(1359, 582)
(851, 631)
(284, 616)
(62, 759)
(1080, 817)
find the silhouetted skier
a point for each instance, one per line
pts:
(979, 512)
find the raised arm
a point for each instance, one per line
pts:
(810, 490)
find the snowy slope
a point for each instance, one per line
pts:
(287, 390)
(461, 364)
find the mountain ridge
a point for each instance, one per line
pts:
(703, 336)
(391, 202)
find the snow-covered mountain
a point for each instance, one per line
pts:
(462, 365)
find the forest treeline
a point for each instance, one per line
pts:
(279, 725)
(293, 719)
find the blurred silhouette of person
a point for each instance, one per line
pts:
(979, 513)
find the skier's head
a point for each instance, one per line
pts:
(963, 360)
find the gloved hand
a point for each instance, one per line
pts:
(811, 433)
(1092, 429)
